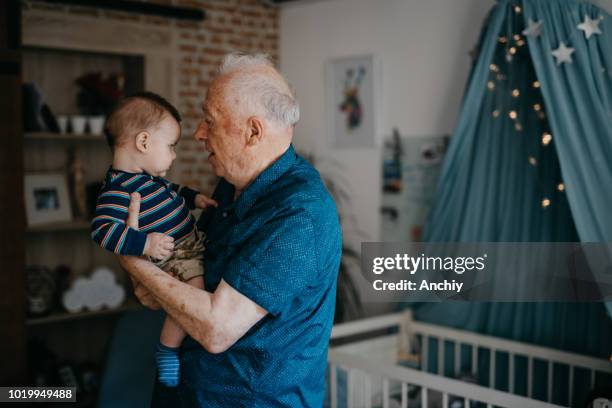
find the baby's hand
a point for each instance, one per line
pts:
(201, 201)
(158, 246)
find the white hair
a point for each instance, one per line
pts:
(262, 91)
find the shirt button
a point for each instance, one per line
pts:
(224, 214)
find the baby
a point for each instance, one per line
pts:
(143, 131)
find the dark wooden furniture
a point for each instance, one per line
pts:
(12, 224)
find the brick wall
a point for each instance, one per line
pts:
(230, 25)
(243, 25)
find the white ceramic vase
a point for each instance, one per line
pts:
(62, 122)
(78, 124)
(96, 124)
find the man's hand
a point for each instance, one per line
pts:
(158, 246)
(142, 294)
(203, 202)
(133, 211)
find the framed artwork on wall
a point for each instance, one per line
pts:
(353, 88)
(46, 197)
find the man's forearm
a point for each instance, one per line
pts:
(144, 296)
(190, 307)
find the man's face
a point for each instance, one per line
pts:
(221, 134)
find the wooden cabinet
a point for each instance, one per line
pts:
(60, 339)
(58, 46)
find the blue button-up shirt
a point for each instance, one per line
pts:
(279, 244)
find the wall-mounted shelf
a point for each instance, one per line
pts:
(76, 225)
(65, 137)
(139, 7)
(53, 61)
(59, 317)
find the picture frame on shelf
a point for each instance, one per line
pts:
(353, 89)
(46, 198)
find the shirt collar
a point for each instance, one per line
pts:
(111, 172)
(261, 185)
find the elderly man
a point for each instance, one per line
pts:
(258, 333)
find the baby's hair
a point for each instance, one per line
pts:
(135, 113)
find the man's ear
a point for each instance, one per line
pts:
(256, 130)
(143, 140)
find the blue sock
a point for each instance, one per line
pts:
(168, 365)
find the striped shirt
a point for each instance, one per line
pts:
(164, 208)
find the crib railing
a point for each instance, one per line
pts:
(410, 330)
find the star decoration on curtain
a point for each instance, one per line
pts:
(534, 28)
(590, 26)
(563, 53)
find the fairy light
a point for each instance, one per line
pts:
(519, 41)
(561, 187)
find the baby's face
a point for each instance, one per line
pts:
(161, 152)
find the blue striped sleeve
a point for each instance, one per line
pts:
(187, 193)
(108, 228)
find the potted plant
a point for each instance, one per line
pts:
(96, 97)
(348, 301)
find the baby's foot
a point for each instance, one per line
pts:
(168, 365)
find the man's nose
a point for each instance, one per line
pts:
(200, 133)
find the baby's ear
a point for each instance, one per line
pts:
(143, 139)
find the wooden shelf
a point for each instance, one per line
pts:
(59, 317)
(76, 225)
(65, 137)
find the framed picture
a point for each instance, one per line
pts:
(46, 198)
(352, 100)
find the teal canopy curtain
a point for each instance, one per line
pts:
(578, 97)
(531, 160)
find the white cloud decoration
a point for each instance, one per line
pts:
(94, 293)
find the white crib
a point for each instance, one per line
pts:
(375, 377)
